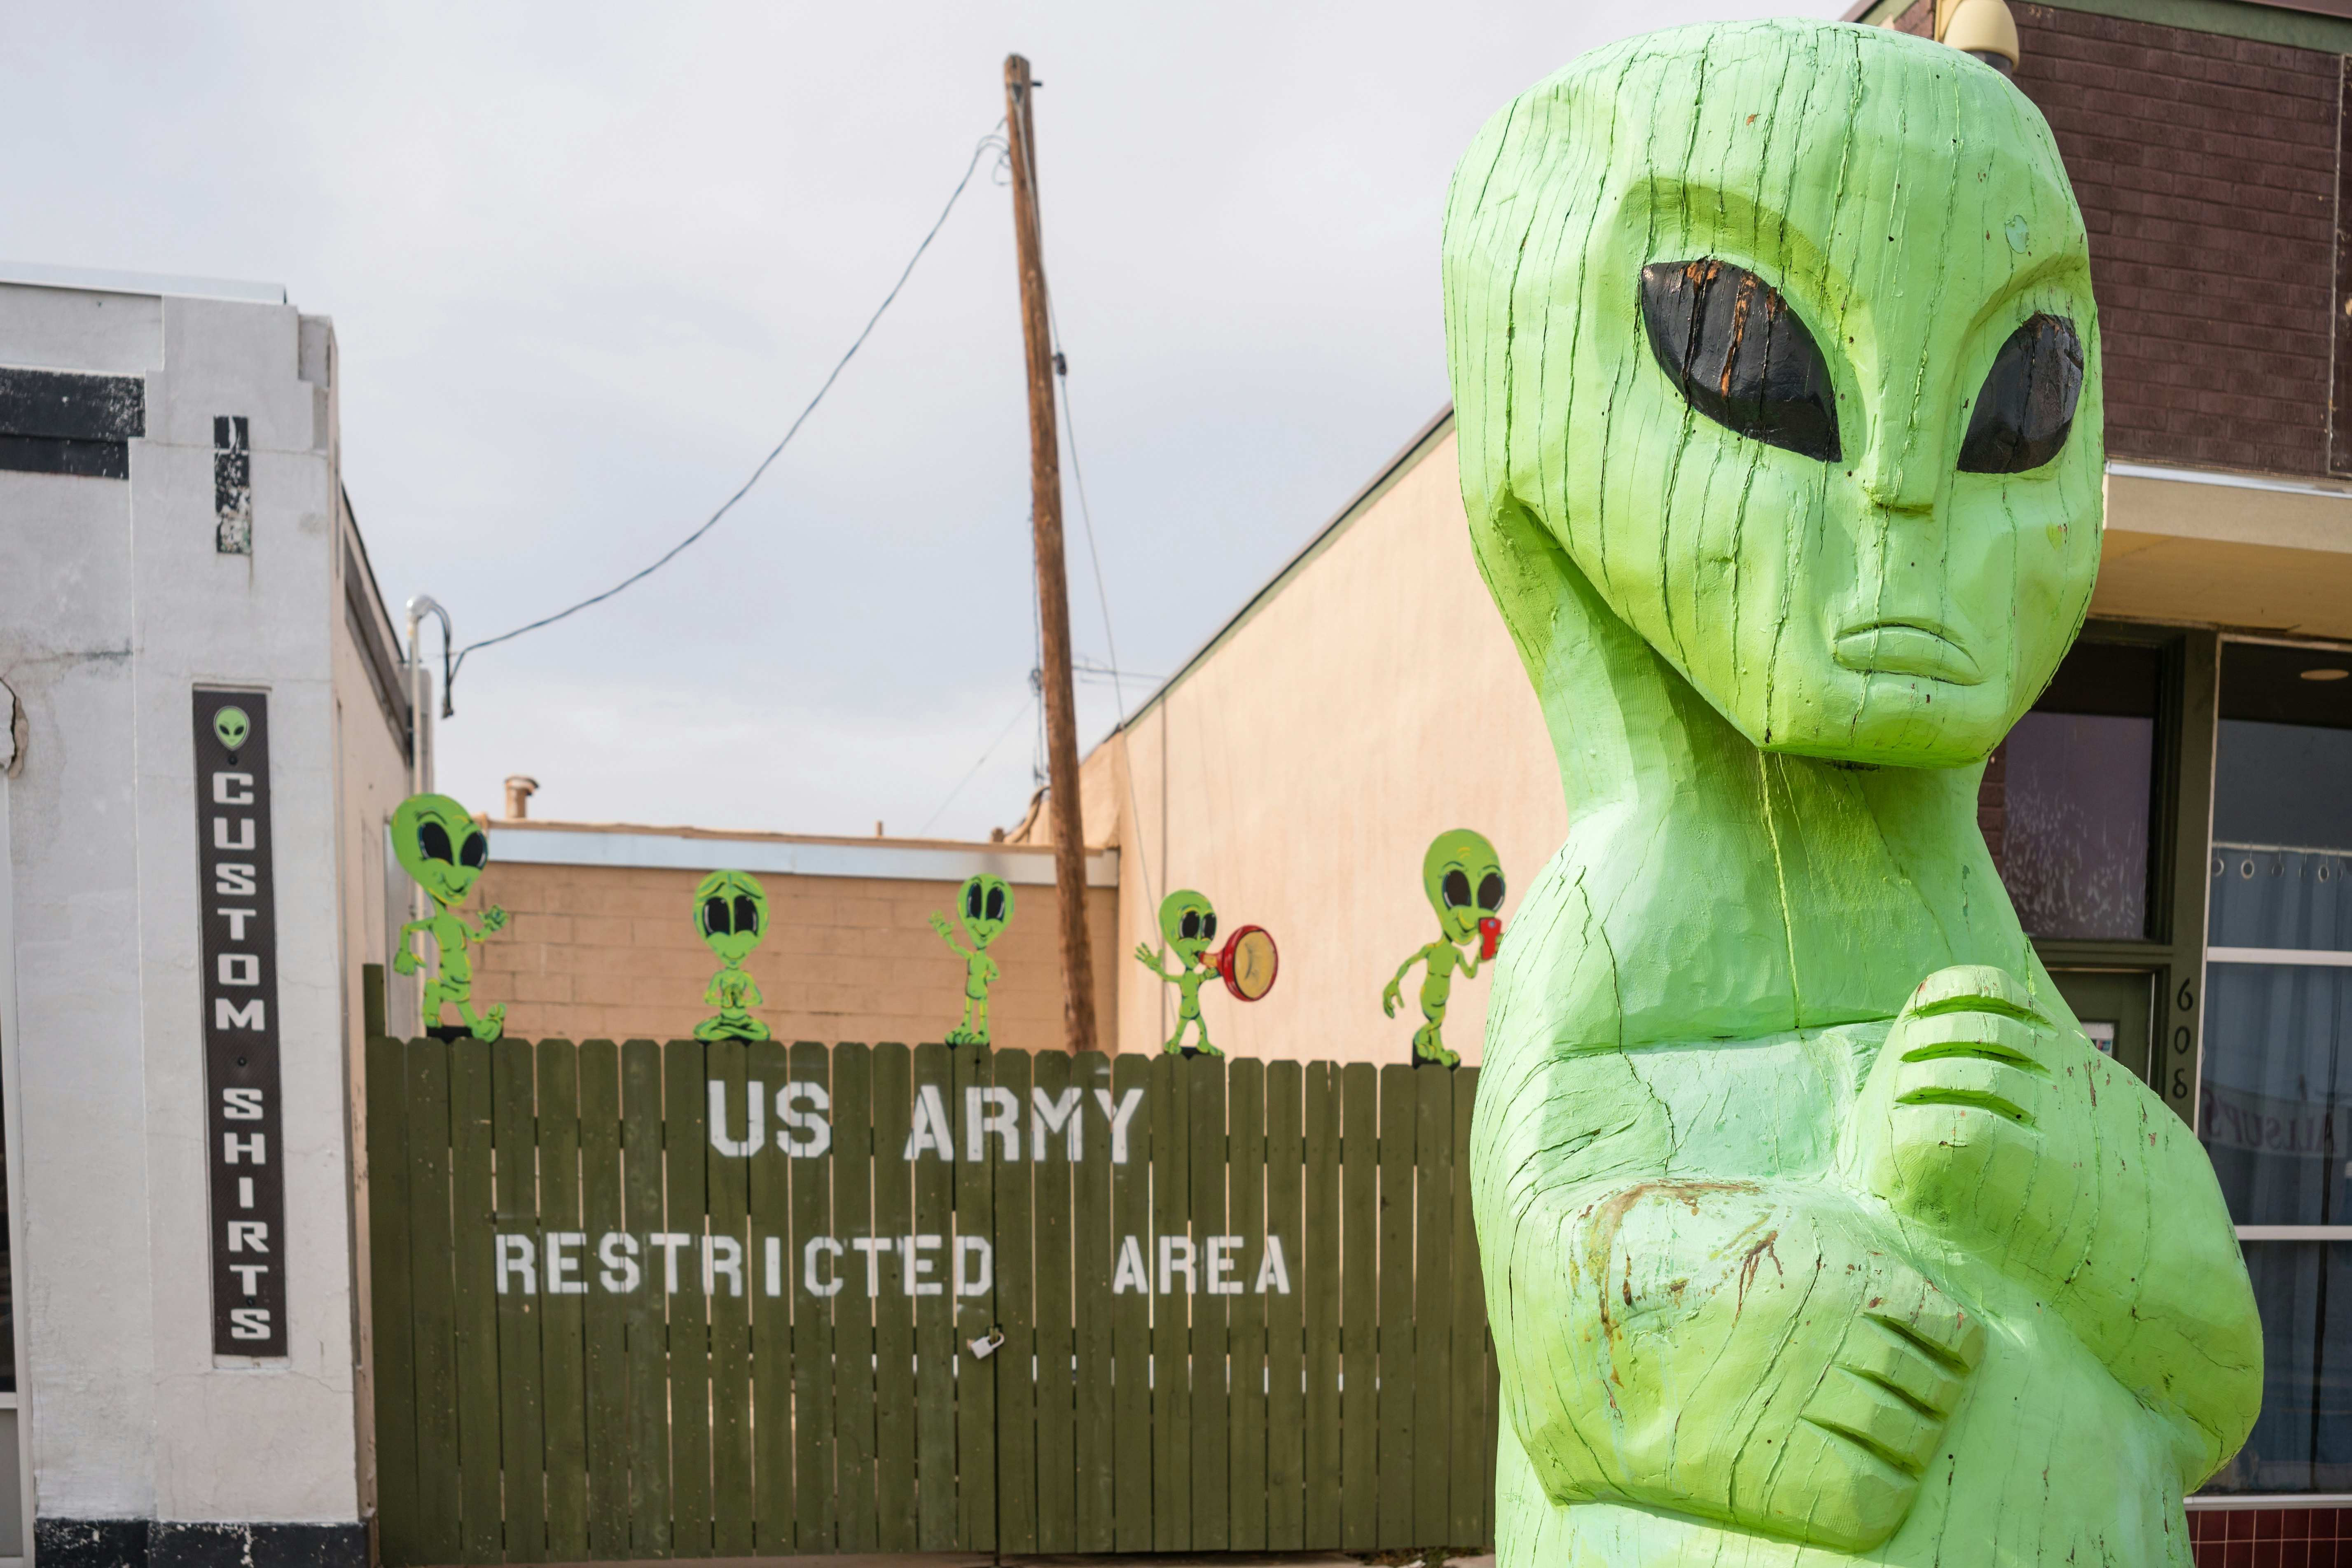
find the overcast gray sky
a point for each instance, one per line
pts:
(585, 263)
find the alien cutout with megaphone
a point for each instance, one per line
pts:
(1246, 963)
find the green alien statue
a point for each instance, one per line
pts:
(1815, 1230)
(1188, 925)
(1464, 883)
(443, 850)
(730, 911)
(985, 908)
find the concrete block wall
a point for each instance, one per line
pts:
(611, 953)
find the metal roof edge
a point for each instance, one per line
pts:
(517, 843)
(113, 280)
(1407, 459)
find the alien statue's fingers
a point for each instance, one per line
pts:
(1977, 1120)
(2010, 1092)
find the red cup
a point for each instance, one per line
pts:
(1490, 936)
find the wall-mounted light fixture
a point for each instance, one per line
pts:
(1980, 27)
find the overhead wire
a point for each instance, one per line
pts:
(979, 149)
(1018, 714)
(1102, 595)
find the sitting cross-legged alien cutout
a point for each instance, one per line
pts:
(731, 915)
(1815, 1229)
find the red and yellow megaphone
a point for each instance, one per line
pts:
(1247, 963)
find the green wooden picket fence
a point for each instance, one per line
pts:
(626, 1304)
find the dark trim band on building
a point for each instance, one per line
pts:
(161, 1543)
(63, 422)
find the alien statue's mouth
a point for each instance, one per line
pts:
(1906, 647)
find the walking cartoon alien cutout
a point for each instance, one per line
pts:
(443, 850)
(1464, 883)
(985, 908)
(1815, 1230)
(730, 911)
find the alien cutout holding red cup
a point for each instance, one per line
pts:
(1464, 881)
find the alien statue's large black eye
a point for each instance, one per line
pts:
(972, 903)
(2027, 406)
(996, 903)
(433, 843)
(1490, 891)
(1209, 928)
(1456, 890)
(714, 917)
(476, 851)
(1191, 925)
(1739, 354)
(747, 916)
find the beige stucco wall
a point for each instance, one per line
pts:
(1297, 775)
(611, 953)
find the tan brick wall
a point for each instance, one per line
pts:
(606, 952)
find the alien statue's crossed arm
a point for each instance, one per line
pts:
(1648, 1302)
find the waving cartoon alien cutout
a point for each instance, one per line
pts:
(1188, 925)
(730, 911)
(1815, 1230)
(985, 908)
(1465, 884)
(443, 850)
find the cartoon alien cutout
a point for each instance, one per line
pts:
(730, 911)
(443, 850)
(984, 908)
(232, 727)
(1464, 883)
(1187, 925)
(1815, 1230)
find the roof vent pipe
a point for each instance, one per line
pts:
(519, 789)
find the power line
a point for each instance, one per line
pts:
(982, 146)
(1102, 598)
(1019, 713)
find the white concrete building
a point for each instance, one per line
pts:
(175, 541)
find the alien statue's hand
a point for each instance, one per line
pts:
(1390, 997)
(2009, 1135)
(939, 924)
(1728, 1352)
(1150, 960)
(493, 919)
(1978, 1119)
(403, 961)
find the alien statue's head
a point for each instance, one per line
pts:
(1463, 878)
(1187, 924)
(730, 911)
(1776, 339)
(985, 908)
(441, 847)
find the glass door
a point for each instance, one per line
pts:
(2275, 1111)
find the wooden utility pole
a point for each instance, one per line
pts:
(1052, 581)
